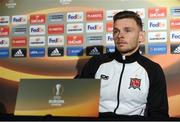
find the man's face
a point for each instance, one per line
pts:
(126, 35)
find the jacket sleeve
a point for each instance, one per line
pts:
(157, 101)
(88, 70)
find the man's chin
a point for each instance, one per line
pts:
(126, 51)
(123, 51)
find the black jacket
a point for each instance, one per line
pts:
(130, 85)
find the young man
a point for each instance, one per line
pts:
(131, 84)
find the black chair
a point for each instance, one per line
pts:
(2, 108)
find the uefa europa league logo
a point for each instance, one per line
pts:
(58, 89)
(57, 98)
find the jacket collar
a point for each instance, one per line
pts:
(126, 59)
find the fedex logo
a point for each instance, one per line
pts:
(37, 19)
(157, 12)
(37, 30)
(19, 19)
(22, 19)
(75, 17)
(55, 40)
(4, 42)
(109, 39)
(4, 20)
(157, 24)
(94, 27)
(175, 36)
(4, 31)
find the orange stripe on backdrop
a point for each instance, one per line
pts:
(16, 76)
(166, 60)
(174, 106)
(65, 9)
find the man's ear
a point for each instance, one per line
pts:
(142, 37)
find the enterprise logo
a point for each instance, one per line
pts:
(155, 49)
(36, 52)
(74, 51)
(4, 53)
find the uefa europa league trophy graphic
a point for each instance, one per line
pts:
(58, 88)
(57, 101)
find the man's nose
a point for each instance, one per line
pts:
(121, 34)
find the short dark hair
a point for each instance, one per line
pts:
(129, 14)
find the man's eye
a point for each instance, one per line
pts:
(115, 31)
(128, 30)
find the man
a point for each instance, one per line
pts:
(131, 84)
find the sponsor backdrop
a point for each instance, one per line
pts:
(55, 38)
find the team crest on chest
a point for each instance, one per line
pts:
(135, 83)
